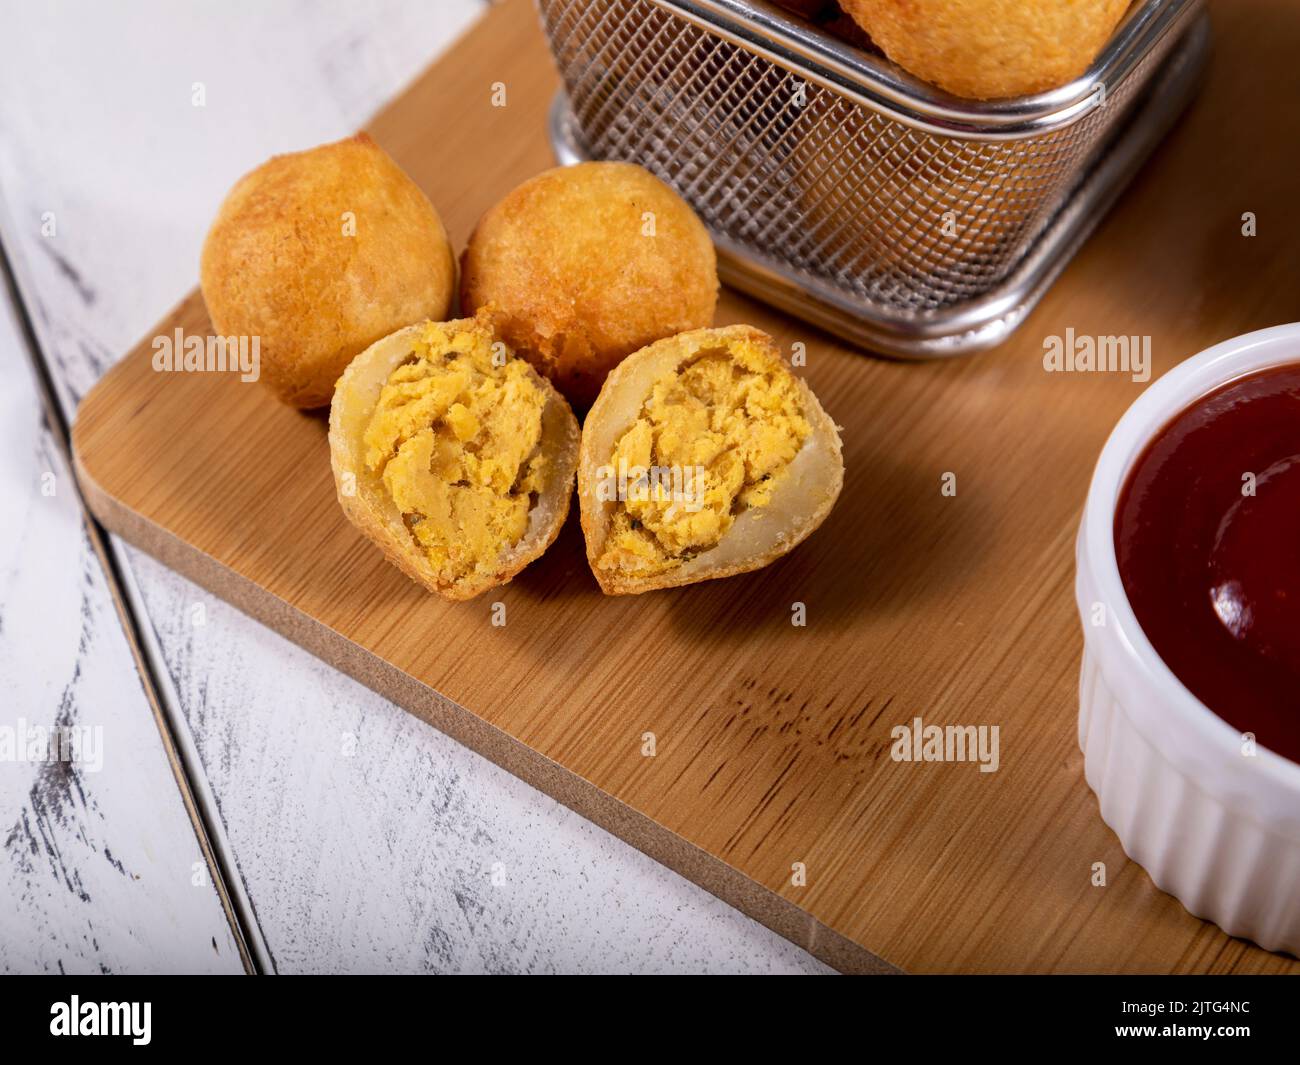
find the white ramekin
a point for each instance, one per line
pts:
(1215, 828)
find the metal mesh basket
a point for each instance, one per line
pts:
(847, 192)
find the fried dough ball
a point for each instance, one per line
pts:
(319, 254)
(988, 49)
(452, 456)
(704, 456)
(584, 265)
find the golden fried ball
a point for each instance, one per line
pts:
(987, 49)
(320, 253)
(584, 265)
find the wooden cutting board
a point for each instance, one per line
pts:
(773, 740)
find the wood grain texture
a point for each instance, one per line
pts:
(100, 869)
(377, 856)
(773, 740)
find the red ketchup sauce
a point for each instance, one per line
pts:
(1213, 572)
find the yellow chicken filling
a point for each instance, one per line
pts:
(712, 441)
(456, 441)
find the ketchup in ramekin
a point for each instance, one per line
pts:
(1207, 536)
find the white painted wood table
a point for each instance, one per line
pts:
(344, 834)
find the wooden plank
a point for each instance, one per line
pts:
(773, 740)
(100, 868)
(366, 840)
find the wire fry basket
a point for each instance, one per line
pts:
(844, 191)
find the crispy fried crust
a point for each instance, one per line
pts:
(760, 536)
(370, 508)
(278, 264)
(987, 49)
(575, 280)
